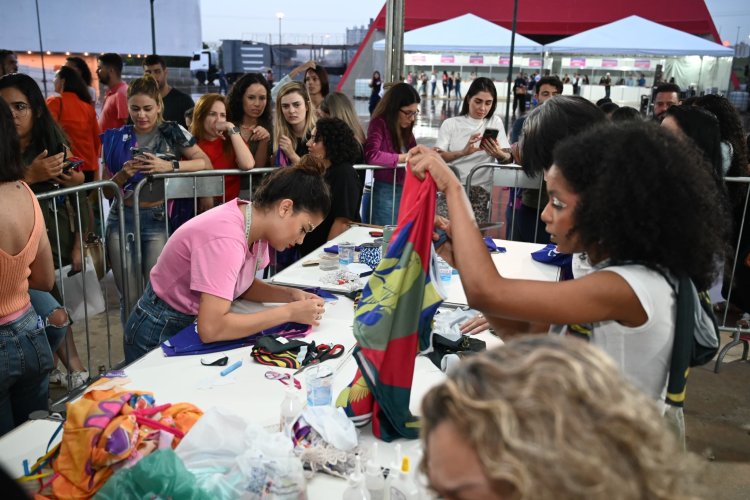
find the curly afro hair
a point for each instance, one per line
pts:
(338, 139)
(645, 196)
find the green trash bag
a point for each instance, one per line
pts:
(159, 475)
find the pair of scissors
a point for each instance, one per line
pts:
(318, 354)
(283, 378)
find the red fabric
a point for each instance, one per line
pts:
(221, 160)
(546, 17)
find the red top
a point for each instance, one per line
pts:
(222, 160)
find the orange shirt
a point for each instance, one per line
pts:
(78, 120)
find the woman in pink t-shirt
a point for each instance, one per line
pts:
(212, 260)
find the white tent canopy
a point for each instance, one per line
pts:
(637, 36)
(467, 33)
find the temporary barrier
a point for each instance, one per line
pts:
(73, 201)
(507, 176)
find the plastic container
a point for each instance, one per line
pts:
(291, 408)
(445, 271)
(403, 486)
(346, 253)
(319, 380)
(356, 489)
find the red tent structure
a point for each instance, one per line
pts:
(543, 21)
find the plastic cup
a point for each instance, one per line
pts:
(346, 253)
(445, 271)
(388, 231)
(318, 381)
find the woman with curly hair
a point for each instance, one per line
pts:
(639, 207)
(333, 144)
(293, 124)
(735, 164)
(548, 418)
(249, 107)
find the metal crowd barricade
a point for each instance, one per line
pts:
(508, 175)
(202, 183)
(56, 203)
(373, 168)
(739, 334)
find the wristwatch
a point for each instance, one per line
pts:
(234, 130)
(175, 165)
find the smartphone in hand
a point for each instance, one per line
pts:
(490, 133)
(71, 163)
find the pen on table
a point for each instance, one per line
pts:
(229, 369)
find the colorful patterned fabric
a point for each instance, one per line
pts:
(393, 320)
(111, 428)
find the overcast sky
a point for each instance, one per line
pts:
(237, 19)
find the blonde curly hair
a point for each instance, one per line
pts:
(551, 417)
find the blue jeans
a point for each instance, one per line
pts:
(152, 322)
(25, 363)
(384, 207)
(153, 239)
(45, 304)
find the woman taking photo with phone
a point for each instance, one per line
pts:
(148, 137)
(293, 124)
(185, 285)
(221, 140)
(475, 137)
(249, 107)
(389, 137)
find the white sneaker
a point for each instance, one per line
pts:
(79, 378)
(56, 376)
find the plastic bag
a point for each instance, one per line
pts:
(72, 287)
(159, 475)
(231, 458)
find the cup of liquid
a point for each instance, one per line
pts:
(346, 253)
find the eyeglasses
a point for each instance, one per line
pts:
(410, 114)
(19, 109)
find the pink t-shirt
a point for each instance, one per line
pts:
(208, 254)
(115, 108)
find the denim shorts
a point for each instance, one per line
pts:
(25, 363)
(152, 322)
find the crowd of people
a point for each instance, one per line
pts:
(612, 181)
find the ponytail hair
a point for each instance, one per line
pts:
(303, 184)
(147, 86)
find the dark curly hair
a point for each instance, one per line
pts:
(548, 124)
(341, 145)
(645, 196)
(730, 127)
(237, 92)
